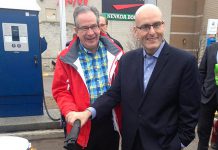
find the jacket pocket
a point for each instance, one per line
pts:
(170, 139)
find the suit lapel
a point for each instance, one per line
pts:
(161, 62)
(140, 70)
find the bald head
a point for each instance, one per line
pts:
(148, 11)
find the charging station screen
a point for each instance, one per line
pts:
(15, 33)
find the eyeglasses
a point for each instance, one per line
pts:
(101, 25)
(86, 28)
(147, 27)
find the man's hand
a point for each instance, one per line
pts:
(82, 116)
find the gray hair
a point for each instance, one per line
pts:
(83, 9)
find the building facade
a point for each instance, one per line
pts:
(185, 24)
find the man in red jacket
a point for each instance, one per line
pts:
(84, 71)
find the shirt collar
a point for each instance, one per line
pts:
(157, 53)
(86, 50)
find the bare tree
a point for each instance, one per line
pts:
(133, 42)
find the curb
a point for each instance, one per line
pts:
(30, 123)
(38, 135)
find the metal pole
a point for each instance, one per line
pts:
(151, 2)
(62, 23)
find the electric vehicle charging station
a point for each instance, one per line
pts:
(21, 85)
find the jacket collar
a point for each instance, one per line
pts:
(72, 51)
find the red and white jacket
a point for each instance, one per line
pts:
(69, 85)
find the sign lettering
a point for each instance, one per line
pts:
(74, 2)
(120, 17)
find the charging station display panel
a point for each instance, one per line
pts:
(15, 37)
(15, 33)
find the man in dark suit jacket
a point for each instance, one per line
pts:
(158, 89)
(208, 96)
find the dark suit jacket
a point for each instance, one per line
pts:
(167, 112)
(206, 69)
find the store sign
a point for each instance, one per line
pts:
(120, 10)
(212, 26)
(121, 17)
